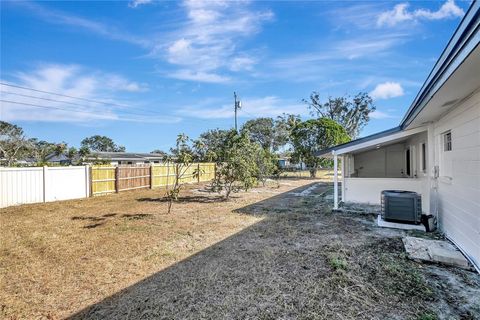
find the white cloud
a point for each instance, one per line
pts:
(242, 63)
(400, 13)
(208, 43)
(381, 115)
(367, 46)
(73, 81)
(59, 17)
(387, 90)
(136, 3)
(269, 106)
(199, 76)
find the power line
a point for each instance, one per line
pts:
(45, 107)
(72, 97)
(62, 95)
(58, 108)
(41, 98)
(67, 102)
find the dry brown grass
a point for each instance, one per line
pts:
(59, 257)
(267, 254)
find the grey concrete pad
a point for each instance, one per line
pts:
(396, 225)
(447, 256)
(438, 251)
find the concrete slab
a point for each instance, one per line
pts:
(387, 224)
(449, 257)
(437, 251)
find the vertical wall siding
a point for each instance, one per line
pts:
(457, 201)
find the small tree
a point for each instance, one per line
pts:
(238, 170)
(314, 135)
(210, 146)
(269, 133)
(267, 165)
(181, 156)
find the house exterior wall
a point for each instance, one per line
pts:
(456, 192)
(380, 163)
(368, 190)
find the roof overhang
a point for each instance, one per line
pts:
(452, 80)
(374, 141)
(454, 76)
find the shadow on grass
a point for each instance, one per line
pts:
(276, 268)
(97, 221)
(199, 199)
(225, 280)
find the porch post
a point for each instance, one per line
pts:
(344, 173)
(335, 180)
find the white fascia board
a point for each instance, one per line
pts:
(381, 140)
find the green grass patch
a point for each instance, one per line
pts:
(337, 263)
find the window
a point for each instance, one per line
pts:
(424, 157)
(447, 141)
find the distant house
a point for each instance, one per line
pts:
(435, 151)
(60, 159)
(284, 162)
(125, 158)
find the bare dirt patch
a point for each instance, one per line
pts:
(267, 254)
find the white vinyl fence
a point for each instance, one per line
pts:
(42, 184)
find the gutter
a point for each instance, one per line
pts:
(461, 44)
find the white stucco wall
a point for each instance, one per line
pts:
(458, 199)
(368, 190)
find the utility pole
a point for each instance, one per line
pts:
(237, 106)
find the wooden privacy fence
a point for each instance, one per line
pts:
(107, 179)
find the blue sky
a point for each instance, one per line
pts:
(165, 67)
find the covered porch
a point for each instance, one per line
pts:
(392, 160)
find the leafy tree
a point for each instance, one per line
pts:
(313, 135)
(352, 114)
(83, 153)
(238, 169)
(210, 146)
(267, 165)
(13, 142)
(269, 133)
(262, 131)
(99, 143)
(71, 154)
(181, 156)
(41, 149)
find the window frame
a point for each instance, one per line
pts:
(447, 141)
